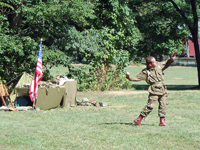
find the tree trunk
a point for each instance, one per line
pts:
(15, 19)
(197, 53)
(194, 31)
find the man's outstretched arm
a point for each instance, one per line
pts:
(171, 60)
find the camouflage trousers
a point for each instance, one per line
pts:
(152, 100)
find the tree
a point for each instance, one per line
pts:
(182, 13)
(19, 41)
(100, 32)
(18, 48)
(191, 20)
(106, 41)
(159, 31)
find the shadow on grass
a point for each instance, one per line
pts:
(169, 87)
(124, 123)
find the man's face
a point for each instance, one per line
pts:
(153, 63)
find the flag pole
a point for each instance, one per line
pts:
(35, 98)
(37, 77)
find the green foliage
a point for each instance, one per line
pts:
(89, 78)
(162, 32)
(3, 5)
(19, 44)
(100, 33)
(104, 44)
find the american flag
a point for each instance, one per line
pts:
(37, 77)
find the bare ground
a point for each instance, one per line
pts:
(122, 92)
(112, 92)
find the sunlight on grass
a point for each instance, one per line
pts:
(110, 127)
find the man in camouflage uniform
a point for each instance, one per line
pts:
(153, 75)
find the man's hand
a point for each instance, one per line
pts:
(173, 56)
(127, 75)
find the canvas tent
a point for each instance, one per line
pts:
(25, 79)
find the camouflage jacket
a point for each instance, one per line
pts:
(155, 77)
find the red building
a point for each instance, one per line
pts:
(190, 47)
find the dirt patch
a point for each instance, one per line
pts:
(112, 93)
(125, 92)
(137, 66)
(143, 66)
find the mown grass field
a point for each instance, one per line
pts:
(111, 127)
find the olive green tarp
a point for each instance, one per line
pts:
(48, 98)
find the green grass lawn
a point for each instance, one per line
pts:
(111, 127)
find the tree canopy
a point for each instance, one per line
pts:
(181, 17)
(98, 32)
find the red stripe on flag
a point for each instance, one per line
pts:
(33, 91)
